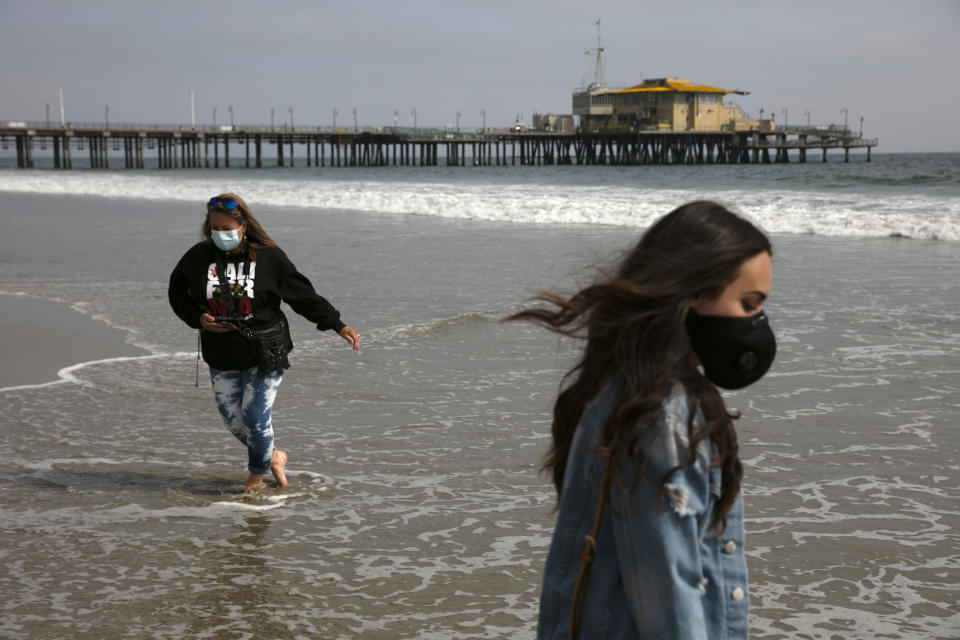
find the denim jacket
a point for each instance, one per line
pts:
(660, 571)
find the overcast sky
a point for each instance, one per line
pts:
(891, 61)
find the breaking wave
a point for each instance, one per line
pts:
(779, 204)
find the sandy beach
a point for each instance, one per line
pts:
(38, 338)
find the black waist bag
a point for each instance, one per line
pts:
(271, 345)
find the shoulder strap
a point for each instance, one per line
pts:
(586, 559)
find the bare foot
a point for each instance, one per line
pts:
(277, 464)
(254, 482)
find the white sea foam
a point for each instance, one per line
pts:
(69, 374)
(48, 464)
(829, 213)
(41, 385)
(24, 294)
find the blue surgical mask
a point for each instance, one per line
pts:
(226, 240)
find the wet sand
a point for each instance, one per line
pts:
(38, 338)
(415, 509)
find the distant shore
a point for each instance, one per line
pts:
(38, 338)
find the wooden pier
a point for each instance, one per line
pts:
(170, 148)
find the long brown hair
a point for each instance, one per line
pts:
(632, 322)
(255, 237)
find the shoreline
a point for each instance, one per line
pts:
(45, 337)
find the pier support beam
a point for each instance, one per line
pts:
(29, 149)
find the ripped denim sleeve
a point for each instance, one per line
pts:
(658, 529)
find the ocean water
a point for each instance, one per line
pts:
(415, 508)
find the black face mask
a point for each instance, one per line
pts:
(735, 352)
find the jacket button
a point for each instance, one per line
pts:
(737, 594)
(730, 547)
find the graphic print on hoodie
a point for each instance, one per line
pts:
(238, 281)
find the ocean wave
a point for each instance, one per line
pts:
(904, 213)
(429, 328)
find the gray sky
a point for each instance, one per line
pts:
(890, 61)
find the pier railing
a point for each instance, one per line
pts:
(817, 130)
(282, 128)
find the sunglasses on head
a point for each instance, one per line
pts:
(224, 203)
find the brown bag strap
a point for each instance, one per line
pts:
(586, 559)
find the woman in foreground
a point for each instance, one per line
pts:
(230, 286)
(644, 452)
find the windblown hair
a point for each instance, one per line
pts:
(255, 237)
(633, 324)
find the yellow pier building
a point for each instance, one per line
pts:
(661, 104)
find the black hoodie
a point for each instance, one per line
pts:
(256, 288)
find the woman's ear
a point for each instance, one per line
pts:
(704, 297)
(697, 302)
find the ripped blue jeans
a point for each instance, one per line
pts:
(244, 401)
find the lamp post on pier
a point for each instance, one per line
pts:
(271, 118)
(334, 119)
(214, 118)
(784, 112)
(106, 116)
(806, 112)
(414, 113)
(193, 112)
(291, 117)
(396, 114)
(356, 128)
(861, 126)
(48, 115)
(230, 109)
(458, 121)
(483, 120)
(844, 111)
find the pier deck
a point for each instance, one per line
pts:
(173, 148)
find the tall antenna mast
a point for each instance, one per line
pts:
(599, 81)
